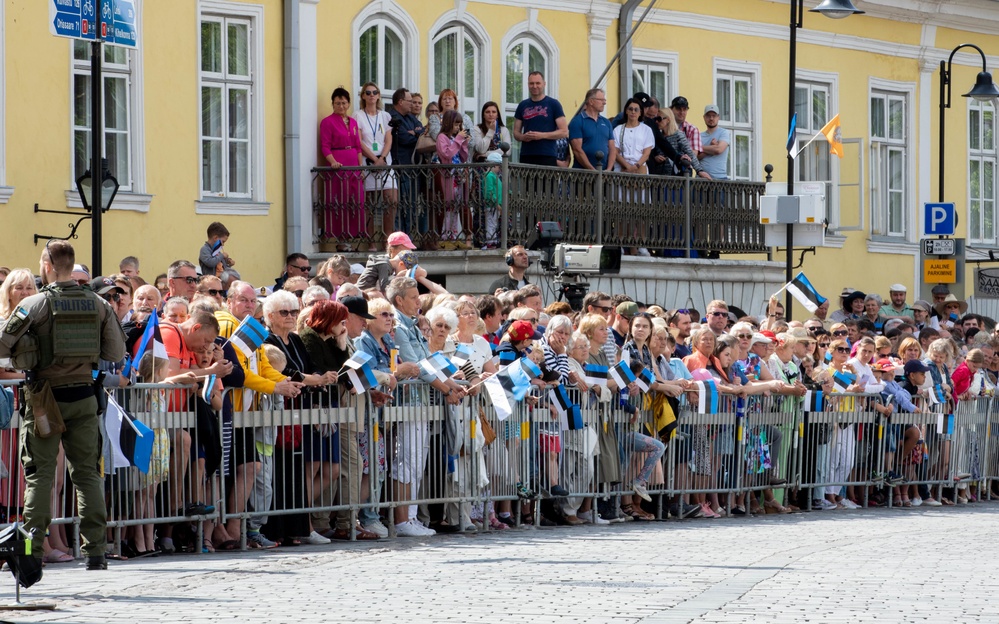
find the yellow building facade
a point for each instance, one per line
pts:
(214, 116)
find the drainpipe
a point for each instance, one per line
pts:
(292, 129)
(624, 32)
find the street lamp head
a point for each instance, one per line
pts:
(985, 90)
(837, 9)
(109, 187)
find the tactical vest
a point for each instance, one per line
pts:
(76, 328)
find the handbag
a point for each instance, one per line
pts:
(425, 144)
(487, 430)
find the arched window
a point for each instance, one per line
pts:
(523, 56)
(457, 66)
(380, 51)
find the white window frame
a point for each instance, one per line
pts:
(254, 202)
(464, 26)
(132, 196)
(986, 156)
(387, 14)
(730, 69)
(884, 146)
(115, 71)
(533, 32)
(830, 84)
(661, 60)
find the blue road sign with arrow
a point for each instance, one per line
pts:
(77, 19)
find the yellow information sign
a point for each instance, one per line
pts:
(940, 271)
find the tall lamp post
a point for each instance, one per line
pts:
(834, 9)
(983, 91)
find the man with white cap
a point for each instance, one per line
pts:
(898, 307)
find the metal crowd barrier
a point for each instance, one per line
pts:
(328, 460)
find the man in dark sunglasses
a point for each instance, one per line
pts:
(295, 265)
(182, 279)
(717, 316)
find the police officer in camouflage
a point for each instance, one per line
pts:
(57, 338)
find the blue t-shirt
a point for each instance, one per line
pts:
(538, 116)
(596, 134)
(716, 166)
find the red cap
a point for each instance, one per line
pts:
(522, 330)
(884, 364)
(769, 334)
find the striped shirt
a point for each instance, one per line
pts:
(557, 362)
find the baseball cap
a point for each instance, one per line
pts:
(79, 268)
(494, 157)
(408, 259)
(357, 305)
(915, 366)
(884, 364)
(898, 288)
(711, 108)
(644, 99)
(627, 309)
(523, 330)
(679, 102)
(356, 269)
(104, 285)
(940, 289)
(759, 338)
(400, 239)
(766, 333)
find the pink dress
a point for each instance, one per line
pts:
(342, 191)
(454, 151)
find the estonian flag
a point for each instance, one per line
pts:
(217, 248)
(436, 368)
(361, 378)
(572, 418)
(644, 379)
(791, 133)
(249, 336)
(596, 374)
(206, 392)
(813, 401)
(462, 354)
(131, 441)
(151, 336)
(707, 397)
(356, 361)
(510, 385)
(842, 381)
(805, 293)
(622, 375)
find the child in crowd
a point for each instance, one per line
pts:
(213, 258)
(491, 197)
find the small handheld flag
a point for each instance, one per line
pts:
(813, 401)
(131, 441)
(216, 248)
(842, 381)
(249, 336)
(150, 338)
(462, 354)
(436, 368)
(572, 417)
(356, 361)
(644, 379)
(622, 375)
(361, 379)
(206, 392)
(510, 385)
(805, 293)
(596, 374)
(707, 397)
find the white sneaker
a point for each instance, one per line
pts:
(642, 251)
(316, 539)
(916, 502)
(427, 531)
(410, 529)
(849, 504)
(377, 528)
(592, 518)
(932, 502)
(827, 504)
(817, 504)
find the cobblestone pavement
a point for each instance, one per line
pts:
(902, 565)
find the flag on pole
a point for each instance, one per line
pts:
(206, 392)
(356, 361)
(832, 133)
(462, 354)
(361, 378)
(644, 379)
(569, 412)
(436, 368)
(131, 441)
(510, 385)
(805, 293)
(792, 132)
(813, 401)
(707, 397)
(596, 374)
(151, 338)
(622, 375)
(249, 336)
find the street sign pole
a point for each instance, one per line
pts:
(96, 139)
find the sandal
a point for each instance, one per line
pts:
(641, 514)
(228, 545)
(57, 556)
(737, 511)
(206, 546)
(628, 510)
(907, 503)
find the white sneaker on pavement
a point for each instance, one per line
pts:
(315, 539)
(377, 528)
(849, 504)
(827, 504)
(592, 518)
(916, 502)
(932, 502)
(410, 529)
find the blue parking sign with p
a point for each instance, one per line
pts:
(939, 219)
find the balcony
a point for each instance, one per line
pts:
(462, 207)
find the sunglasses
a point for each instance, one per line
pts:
(812, 330)
(214, 292)
(841, 333)
(385, 314)
(676, 314)
(717, 313)
(744, 336)
(116, 297)
(603, 308)
(287, 313)
(842, 349)
(303, 269)
(531, 320)
(369, 92)
(824, 345)
(189, 280)
(298, 293)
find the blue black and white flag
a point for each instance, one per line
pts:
(622, 375)
(361, 378)
(151, 339)
(805, 293)
(436, 367)
(131, 441)
(596, 374)
(569, 412)
(249, 336)
(707, 397)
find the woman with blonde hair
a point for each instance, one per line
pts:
(18, 285)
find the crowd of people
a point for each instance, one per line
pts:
(458, 208)
(906, 356)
